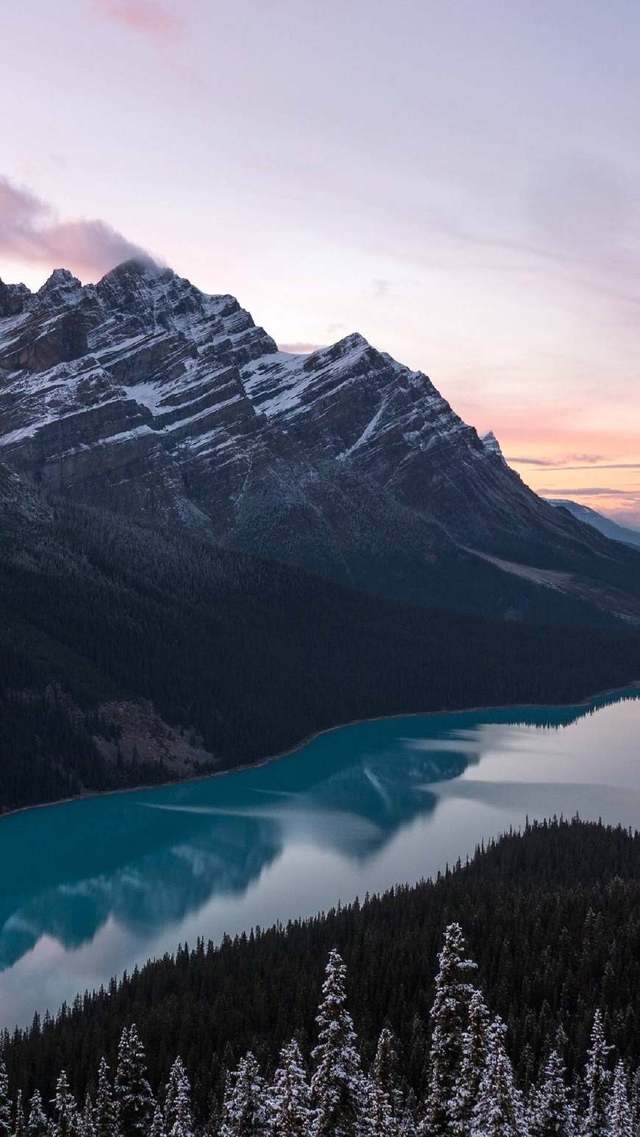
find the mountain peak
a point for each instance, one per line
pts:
(60, 280)
(135, 266)
(491, 444)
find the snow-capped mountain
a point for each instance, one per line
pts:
(143, 395)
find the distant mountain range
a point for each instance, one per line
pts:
(604, 525)
(210, 548)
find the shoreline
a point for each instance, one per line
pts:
(269, 758)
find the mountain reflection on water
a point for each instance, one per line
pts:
(91, 887)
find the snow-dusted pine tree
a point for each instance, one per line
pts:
(551, 1113)
(64, 1108)
(86, 1127)
(5, 1102)
(177, 1101)
(37, 1124)
(634, 1099)
(620, 1117)
(244, 1110)
(597, 1082)
(133, 1096)
(104, 1113)
(158, 1128)
(377, 1114)
(19, 1126)
(449, 1021)
(385, 1070)
(474, 1052)
(499, 1108)
(289, 1095)
(337, 1080)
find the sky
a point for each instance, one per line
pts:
(458, 181)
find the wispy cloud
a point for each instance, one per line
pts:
(301, 348)
(149, 17)
(584, 491)
(587, 463)
(31, 232)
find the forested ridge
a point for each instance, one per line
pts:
(247, 656)
(552, 917)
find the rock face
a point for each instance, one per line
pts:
(145, 396)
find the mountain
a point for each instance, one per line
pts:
(130, 655)
(144, 396)
(604, 525)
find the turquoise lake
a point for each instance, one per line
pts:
(92, 887)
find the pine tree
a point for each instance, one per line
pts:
(385, 1070)
(289, 1095)
(551, 1113)
(474, 1052)
(5, 1102)
(597, 1080)
(177, 1101)
(499, 1109)
(158, 1128)
(244, 1110)
(86, 1120)
(377, 1118)
(337, 1081)
(65, 1108)
(620, 1117)
(104, 1113)
(19, 1127)
(449, 1021)
(134, 1099)
(37, 1124)
(634, 1099)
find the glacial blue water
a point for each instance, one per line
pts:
(92, 887)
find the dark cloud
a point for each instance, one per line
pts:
(31, 232)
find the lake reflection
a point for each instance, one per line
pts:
(90, 888)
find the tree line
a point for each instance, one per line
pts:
(552, 916)
(470, 1085)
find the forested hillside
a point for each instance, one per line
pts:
(550, 915)
(469, 1084)
(129, 655)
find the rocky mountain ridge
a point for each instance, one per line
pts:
(144, 396)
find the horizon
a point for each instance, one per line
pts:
(461, 193)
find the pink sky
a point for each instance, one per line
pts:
(461, 190)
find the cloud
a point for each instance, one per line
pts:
(149, 17)
(31, 232)
(523, 460)
(584, 491)
(584, 462)
(300, 348)
(380, 287)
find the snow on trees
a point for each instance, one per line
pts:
(449, 1021)
(597, 1082)
(289, 1095)
(499, 1108)
(134, 1099)
(244, 1110)
(337, 1080)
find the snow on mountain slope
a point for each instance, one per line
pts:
(143, 395)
